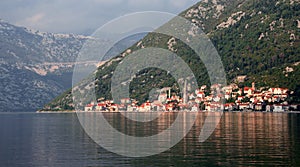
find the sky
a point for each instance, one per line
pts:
(79, 16)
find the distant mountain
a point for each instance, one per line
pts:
(255, 38)
(34, 66)
(37, 66)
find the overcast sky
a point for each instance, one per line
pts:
(79, 16)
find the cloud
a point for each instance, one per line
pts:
(33, 20)
(145, 4)
(179, 3)
(108, 2)
(77, 16)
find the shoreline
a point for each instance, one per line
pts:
(71, 112)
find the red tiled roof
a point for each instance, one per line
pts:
(101, 104)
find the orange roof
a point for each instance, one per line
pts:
(101, 104)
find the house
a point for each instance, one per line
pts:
(197, 91)
(229, 106)
(243, 106)
(241, 78)
(284, 96)
(240, 98)
(198, 100)
(208, 107)
(214, 107)
(183, 106)
(122, 107)
(267, 97)
(101, 107)
(201, 94)
(258, 107)
(215, 87)
(252, 106)
(227, 89)
(168, 100)
(145, 107)
(209, 98)
(191, 102)
(132, 108)
(248, 90)
(162, 97)
(227, 96)
(253, 100)
(278, 108)
(125, 101)
(195, 108)
(113, 108)
(129, 108)
(285, 107)
(157, 106)
(293, 107)
(238, 92)
(217, 98)
(192, 96)
(173, 98)
(260, 98)
(203, 87)
(109, 102)
(269, 108)
(278, 91)
(89, 107)
(276, 98)
(169, 107)
(234, 94)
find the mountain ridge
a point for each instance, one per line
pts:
(259, 39)
(35, 66)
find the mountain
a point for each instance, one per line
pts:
(258, 39)
(35, 66)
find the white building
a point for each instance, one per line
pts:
(195, 108)
(278, 108)
(89, 107)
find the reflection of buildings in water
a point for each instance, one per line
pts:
(238, 134)
(258, 132)
(242, 135)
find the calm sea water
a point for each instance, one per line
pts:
(241, 139)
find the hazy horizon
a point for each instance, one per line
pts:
(79, 17)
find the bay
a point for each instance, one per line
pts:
(240, 139)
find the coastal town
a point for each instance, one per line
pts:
(205, 99)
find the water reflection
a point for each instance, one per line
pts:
(241, 139)
(254, 138)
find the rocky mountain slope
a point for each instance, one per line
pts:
(37, 66)
(34, 66)
(255, 38)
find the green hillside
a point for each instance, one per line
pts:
(256, 38)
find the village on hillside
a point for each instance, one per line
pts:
(209, 99)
